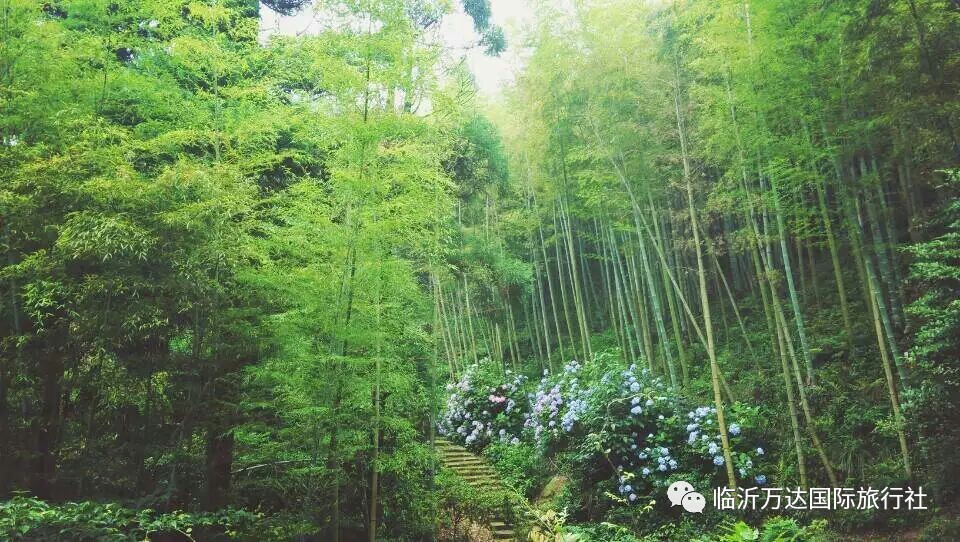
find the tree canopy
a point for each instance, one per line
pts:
(249, 281)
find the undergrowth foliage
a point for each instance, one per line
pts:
(25, 518)
(624, 434)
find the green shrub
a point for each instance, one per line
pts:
(25, 518)
(631, 435)
(777, 529)
(941, 529)
(934, 355)
(519, 466)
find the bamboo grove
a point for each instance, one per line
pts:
(723, 191)
(217, 249)
(247, 277)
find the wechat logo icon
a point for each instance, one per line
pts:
(682, 493)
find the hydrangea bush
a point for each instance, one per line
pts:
(632, 434)
(556, 406)
(703, 438)
(485, 407)
(623, 431)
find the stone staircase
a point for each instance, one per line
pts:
(478, 473)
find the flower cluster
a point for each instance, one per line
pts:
(483, 408)
(627, 420)
(638, 412)
(643, 427)
(704, 438)
(557, 405)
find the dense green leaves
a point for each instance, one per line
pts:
(237, 269)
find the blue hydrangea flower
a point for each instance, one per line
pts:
(635, 387)
(760, 479)
(734, 429)
(760, 451)
(636, 410)
(718, 460)
(645, 471)
(633, 497)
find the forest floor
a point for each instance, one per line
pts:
(916, 531)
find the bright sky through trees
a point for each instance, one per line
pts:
(492, 73)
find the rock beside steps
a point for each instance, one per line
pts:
(478, 473)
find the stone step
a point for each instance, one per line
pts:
(456, 453)
(467, 466)
(465, 463)
(476, 475)
(484, 482)
(476, 479)
(453, 450)
(463, 457)
(476, 471)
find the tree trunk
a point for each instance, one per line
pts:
(704, 301)
(791, 287)
(219, 464)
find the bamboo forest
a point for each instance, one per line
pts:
(480, 270)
